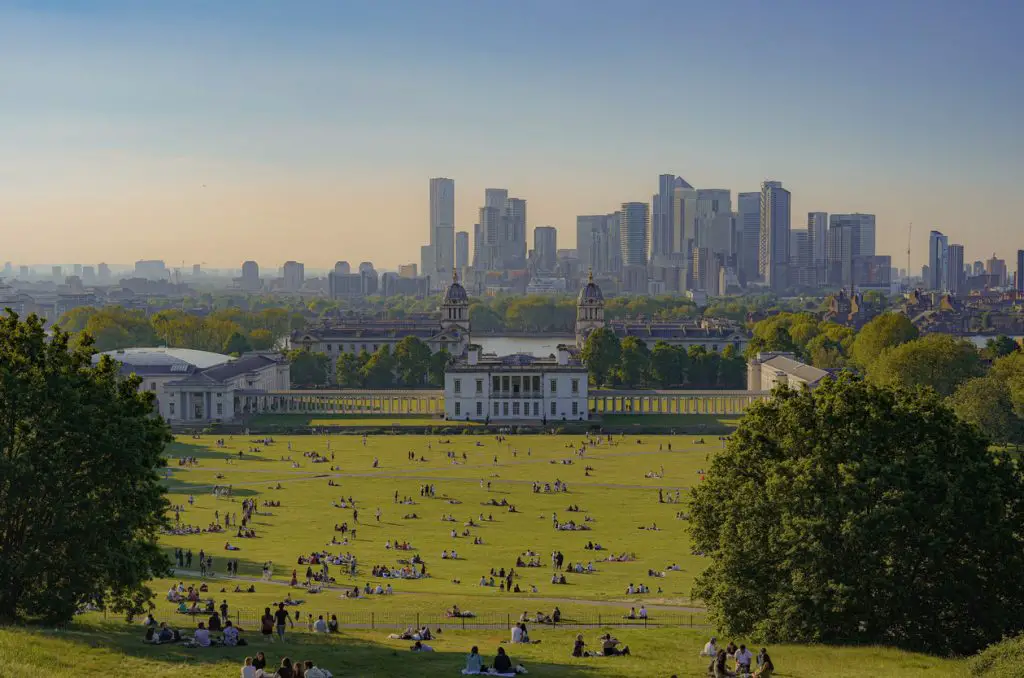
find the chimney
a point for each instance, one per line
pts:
(473, 354)
(563, 354)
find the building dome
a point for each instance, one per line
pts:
(590, 292)
(456, 293)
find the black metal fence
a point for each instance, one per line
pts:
(249, 619)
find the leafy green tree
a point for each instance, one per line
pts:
(885, 331)
(999, 347)
(825, 352)
(601, 353)
(412, 358)
(634, 363)
(379, 371)
(261, 339)
(732, 370)
(308, 369)
(438, 362)
(986, 402)
(485, 319)
(936, 360)
(348, 371)
(80, 497)
(865, 514)
(666, 365)
(237, 344)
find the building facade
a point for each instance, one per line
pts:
(442, 229)
(461, 250)
(773, 251)
(519, 387)
(938, 262)
(769, 370)
(545, 247)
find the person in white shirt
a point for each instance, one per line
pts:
(744, 657)
(711, 649)
(320, 626)
(316, 671)
(643, 612)
(517, 634)
(230, 634)
(248, 671)
(202, 636)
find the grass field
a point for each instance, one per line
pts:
(620, 495)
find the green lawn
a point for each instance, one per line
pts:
(620, 495)
(102, 650)
(714, 423)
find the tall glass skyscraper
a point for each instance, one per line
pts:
(634, 229)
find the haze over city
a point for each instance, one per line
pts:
(307, 131)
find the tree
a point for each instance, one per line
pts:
(80, 497)
(261, 340)
(999, 347)
(666, 365)
(860, 513)
(885, 331)
(601, 353)
(732, 370)
(237, 344)
(379, 371)
(412, 361)
(825, 352)
(986, 402)
(307, 368)
(348, 371)
(634, 363)
(936, 360)
(438, 363)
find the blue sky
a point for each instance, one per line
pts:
(315, 126)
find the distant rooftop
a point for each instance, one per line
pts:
(163, 356)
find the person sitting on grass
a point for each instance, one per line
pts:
(743, 658)
(313, 671)
(718, 669)
(578, 647)
(320, 626)
(285, 670)
(332, 625)
(202, 636)
(608, 644)
(474, 662)
(230, 634)
(765, 668)
(502, 662)
(248, 670)
(418, 646)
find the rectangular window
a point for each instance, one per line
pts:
(479, 409)
(575, 385)
(375, 348)
(495, 409)
(495, 384)
(553, 406)
(575, 409)
(171, 408)
(458, 408)
(220, 409)
(536, 384)
(458, 385)
(152, 386)
(504, 410)
(352, 347)
(536, 409)
(479, 386)
(554, 386)
(515, 409)
(505, 384)
(330, 348)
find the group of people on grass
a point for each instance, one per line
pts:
(256, 667)
(743, 661)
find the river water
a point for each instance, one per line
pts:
(543, 347)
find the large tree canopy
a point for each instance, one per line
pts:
(80, 500)
(885, 331)
(936, 360)
(864, 514)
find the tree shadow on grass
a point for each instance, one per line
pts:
(343, 654)
(180, 448)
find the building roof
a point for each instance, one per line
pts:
(163, 360)
(518, 362)
(591, 292)
(456, 293)
(806, 373)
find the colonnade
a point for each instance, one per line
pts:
(342, 402)
(672, 402)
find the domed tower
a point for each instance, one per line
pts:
(455, 308)
(589, 310)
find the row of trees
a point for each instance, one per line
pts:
(231, 330)
(411, 364)
(630, 363)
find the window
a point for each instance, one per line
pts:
(553, 406)
(170, 409)
(457, 384)
(575, 409)
(505, 384)
(479, 409)
(458, 408)
(575, 385)
(515, 409)
(536, 409)
(152, 386)
(220, 409)
(554, 386)
(536, 384)
(479, 386)
(504, 410)
(375, 348)
(495, 409)
(330, 347)
(495, 384)
(352, 348)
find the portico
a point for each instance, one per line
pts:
(672, 402)
(376, 402)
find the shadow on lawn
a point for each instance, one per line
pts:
(186, 448)
(342, 654)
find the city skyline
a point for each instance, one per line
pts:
(306, 132)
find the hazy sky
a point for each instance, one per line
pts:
(315, 126)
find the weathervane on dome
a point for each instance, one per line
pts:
(590, 274)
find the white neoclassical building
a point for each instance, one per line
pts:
(518, 387)
(194, 387)
(772, 369)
